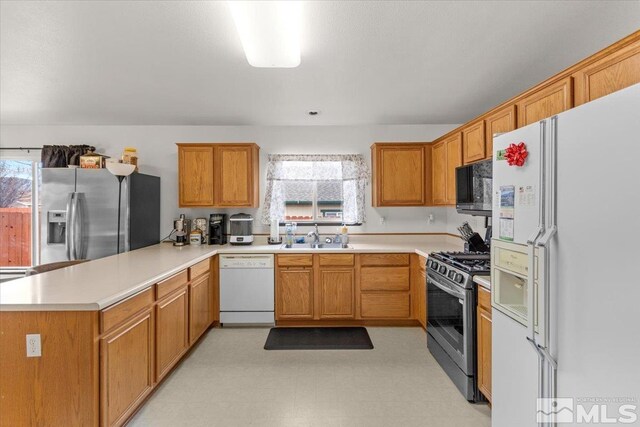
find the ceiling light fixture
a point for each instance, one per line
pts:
(269, 31)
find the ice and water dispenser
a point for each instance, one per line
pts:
(56, 227)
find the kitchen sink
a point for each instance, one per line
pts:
(316, 246)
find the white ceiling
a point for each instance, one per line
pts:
(181, 63)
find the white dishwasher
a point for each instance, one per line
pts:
(246, 289)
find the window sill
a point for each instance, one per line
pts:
(319, 223)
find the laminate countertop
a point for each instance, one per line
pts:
(100, 283)
(484, 281)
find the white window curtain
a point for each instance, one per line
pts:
(286, 172)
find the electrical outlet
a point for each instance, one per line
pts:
(383, 220)
(431, 218)
(34, 349)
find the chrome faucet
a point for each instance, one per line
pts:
(315, 234)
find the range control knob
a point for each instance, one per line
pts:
(429, 263)
(459, 278)
(434, 265)
(451, 275)
(443, 269)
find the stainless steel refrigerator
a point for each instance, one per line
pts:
(79, 214)
(565, 286)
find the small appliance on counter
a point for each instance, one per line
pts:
(241, 229)
(182, 229)
(218, 229)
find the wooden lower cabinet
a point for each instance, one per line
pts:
(126, 368)
(385, 286)
(172, 330)
(294, 293)
(337, 293)
(200, 307)
(422, 297)
(484, 342)
(349, 288)
(385, 305)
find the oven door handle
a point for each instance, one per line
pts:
(446, 289)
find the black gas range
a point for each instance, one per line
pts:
(451, 319)
(459, 267)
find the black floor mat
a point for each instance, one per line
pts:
(342, 338)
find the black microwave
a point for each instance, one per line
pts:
(474, 188)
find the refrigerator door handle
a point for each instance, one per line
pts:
(79, 246)
(533, 239)
(75, 227)
(68, 237)
(543, 243)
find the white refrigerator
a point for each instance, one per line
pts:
(569, 215)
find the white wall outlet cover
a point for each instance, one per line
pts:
(431, 217)
(383, 220)
(34, 348)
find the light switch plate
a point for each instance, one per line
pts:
(34, 348)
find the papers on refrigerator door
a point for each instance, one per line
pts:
(507, 204)
(526, 196)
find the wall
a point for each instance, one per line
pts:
(157, 152)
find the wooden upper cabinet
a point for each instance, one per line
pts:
(501, 121)
(236, 175)
(473, 145)
(549, 100)
(615, 71)
(195, 175)
(221, 175)
(399, 174)
(454, 159)
(446, 156)
(439, 168)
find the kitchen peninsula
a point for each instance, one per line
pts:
(108, 331)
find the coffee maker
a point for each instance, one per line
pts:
(218, 229)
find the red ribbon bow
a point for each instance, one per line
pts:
(516, 154)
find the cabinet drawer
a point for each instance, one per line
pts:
(384, 259)
(295, 260)
(484, 298)
(384, 278)
(200, 268)
(336, 259)
(118, 313)
(385, 305)
(170, 284)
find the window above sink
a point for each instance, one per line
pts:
(310, 189)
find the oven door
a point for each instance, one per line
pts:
(450, 320)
